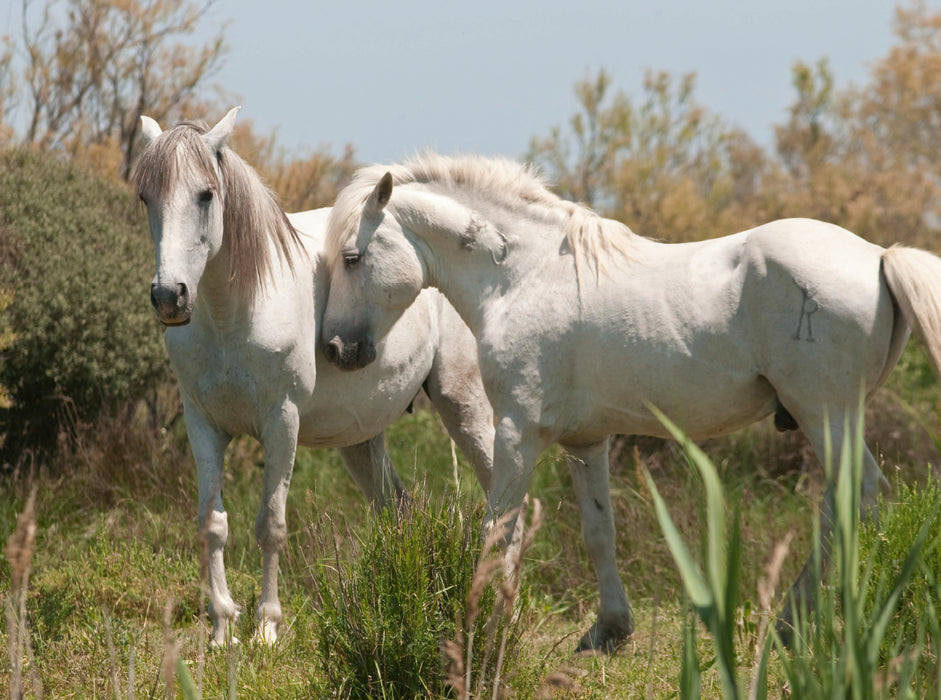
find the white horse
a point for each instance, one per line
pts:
(241, 287)
(581, 325)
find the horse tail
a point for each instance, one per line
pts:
(914, 278)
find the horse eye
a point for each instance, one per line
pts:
(205, 196)
(351, 259)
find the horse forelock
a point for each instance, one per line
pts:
(251, 213)
(593, 239)
(177, 158)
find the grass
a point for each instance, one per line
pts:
(113, 583)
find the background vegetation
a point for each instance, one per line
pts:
(91, 419)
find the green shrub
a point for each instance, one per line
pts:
(386, 610)
(76, 258)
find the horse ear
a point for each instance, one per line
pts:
(149, 128)
(216, 137)
(379, 197)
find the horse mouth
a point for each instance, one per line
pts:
(170, 323)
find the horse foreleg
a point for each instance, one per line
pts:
(280, 442)
(514, 457)
(589, 469)
(208, 445)
(372, 470)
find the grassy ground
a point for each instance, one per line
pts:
(114, 587)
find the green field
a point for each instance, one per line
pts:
(114, 592)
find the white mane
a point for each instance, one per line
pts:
(593, 239)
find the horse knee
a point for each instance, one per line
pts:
(214, 526)
(270, 531)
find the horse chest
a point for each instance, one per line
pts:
(238, 387)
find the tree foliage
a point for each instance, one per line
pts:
(94, 66)
(864, 158)
(662, 164)
(301, 181)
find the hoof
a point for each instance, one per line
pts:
(221, 642)
(606, 636)
(784, 628)
(223, 633)
(266, 634)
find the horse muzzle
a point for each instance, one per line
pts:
(350, 356)
(173, 303)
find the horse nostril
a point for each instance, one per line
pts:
(332, 351)
(182, 294)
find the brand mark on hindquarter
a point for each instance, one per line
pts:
(808, 307)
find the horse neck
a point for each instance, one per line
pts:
(476, 257)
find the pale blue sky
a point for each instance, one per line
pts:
(393, 78)
(398, 76)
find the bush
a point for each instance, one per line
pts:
(386, 614)
(77, 260)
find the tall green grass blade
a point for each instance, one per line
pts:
(187, 685)
(690, 676)
(716, 560)
(693, 580)
(882, 620)
(759, 688)
(722, 552)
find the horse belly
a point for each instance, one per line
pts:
(705, 400)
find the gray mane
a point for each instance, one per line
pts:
(251, 213)
(499, 180)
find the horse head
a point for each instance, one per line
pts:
(179, 181)
(375, 274)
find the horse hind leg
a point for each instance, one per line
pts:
(371, 468)
(801, 595)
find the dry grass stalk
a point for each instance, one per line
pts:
(170, 651)
(767, 585)
(460, 656)
(112, 654)
(19, 552)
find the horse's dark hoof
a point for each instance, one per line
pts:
(785, 631)
(606, 636)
